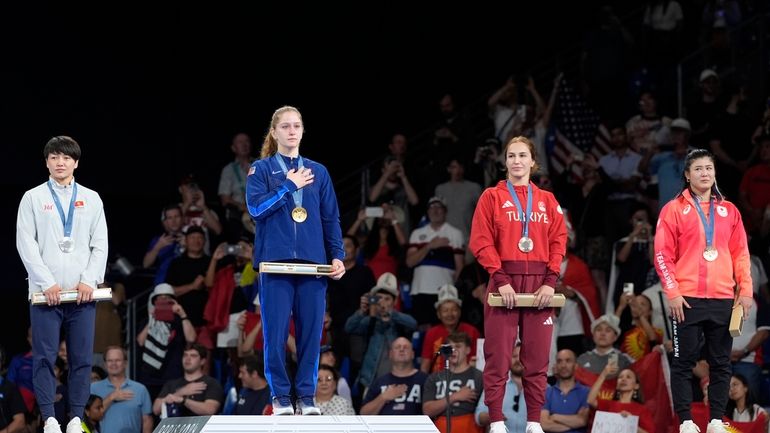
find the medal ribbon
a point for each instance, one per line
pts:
(525, 220)
(708, 224)
(297, 195)
(71, 213)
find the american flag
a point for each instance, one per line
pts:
(577, 129)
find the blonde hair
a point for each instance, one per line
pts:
(270, 146)
(530, 146)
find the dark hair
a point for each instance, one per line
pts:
(99, 372)
(692, 156)
(169, 207)
(91, 424)
(750, 398)
(202, 351)
(352, 239)
(254, 363)
(637, 394)
(372, 242)
(64, 145)
(332, 370)
(459, 337)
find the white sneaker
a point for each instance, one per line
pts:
(282, 406)
(688, 427)
(534, 427)
(716, 426)
(498, 427)
(51, 426)
(74, 426)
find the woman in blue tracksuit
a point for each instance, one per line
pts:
(294, 206)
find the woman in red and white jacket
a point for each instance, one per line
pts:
(521, 254)
(701, 253)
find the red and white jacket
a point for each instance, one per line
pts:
(679, 243)
(497, 228)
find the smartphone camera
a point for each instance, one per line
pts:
(628, 288)
(232, 249)
(374, 212)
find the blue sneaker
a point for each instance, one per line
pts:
(282, 406)
(306, 406)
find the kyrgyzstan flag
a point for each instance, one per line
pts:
(759, 425)
(653, 372)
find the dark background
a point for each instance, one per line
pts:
(154, 92)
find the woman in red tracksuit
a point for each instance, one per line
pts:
(521, 255)
(701, 253)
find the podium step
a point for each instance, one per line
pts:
(292, 424)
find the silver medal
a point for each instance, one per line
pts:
(525, 244)
(67, 244)
(710, 254)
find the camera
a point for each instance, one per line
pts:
(232, 249)
(374, 299)
(445, 350)
(374, 212)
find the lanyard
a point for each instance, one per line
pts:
(70, 213)
(708, 224)
(297, 195)
(525, 219)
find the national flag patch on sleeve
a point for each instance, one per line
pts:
(251, 171)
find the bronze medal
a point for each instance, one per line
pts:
(299, 214)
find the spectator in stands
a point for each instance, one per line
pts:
(11, 403)
(195, 211)
(97, 374)
(641, 337)
(109, 320)
(463, 382)
(93, 415)
(730, 140)
(582, 305)
(398, 392)
(504, 107)
(460, 196)
(394, 187)
(20, 373)
(163, 338)
(566, 402)
(232, 185)
(448, 309)
(488, 160)
(648, 128)
(384, 243)
(742, 404)
(633, 258)
(194, 393)
(605, 331)
(326, 397)
(126, 403)
(436, 253)
(187, 275)
(343, 299)
(166, 246)
(754, 193)
(627, 398)
(328, 357)
(620, 169)
(379, 324)
(664, 167)
(254, 397)
(514, 406)
(746, 354)
(705, 109)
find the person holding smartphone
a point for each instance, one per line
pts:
(518, 234)
(292, 201)
(701, 254)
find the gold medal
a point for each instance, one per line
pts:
(710, 254)
(299, 214)
(526, 245)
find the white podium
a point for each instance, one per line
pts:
(296, 423)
